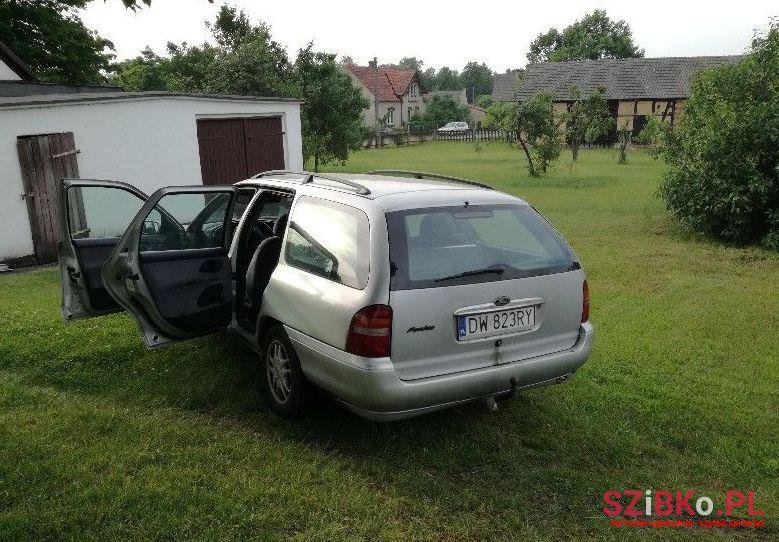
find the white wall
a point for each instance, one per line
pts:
(7, 74)
(148, 142)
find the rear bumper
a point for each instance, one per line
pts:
(372, 389)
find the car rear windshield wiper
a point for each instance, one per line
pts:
(472, 272)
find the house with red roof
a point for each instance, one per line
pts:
(399, 93)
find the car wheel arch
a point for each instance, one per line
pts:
(264, 324)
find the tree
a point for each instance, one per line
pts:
(586, 120)
(346, 60)
(53, 41)
(331, 113)
(533, 126)
(595, 36)
(410, 63)
(723, 175)
(477, 80)
(624, 138)
(538, 133)
(144, 72)
(245, 61)
(447, 79)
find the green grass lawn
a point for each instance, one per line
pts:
(101, 438)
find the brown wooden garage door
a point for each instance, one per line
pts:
(235, 149)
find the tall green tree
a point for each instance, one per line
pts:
(723, 158)
(476, 77)
(410, 63)
(246, 60)
(52, 40)
(593, 37)
(586, 119)
(447, 79)
(331, 113)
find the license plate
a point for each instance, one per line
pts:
(474, 326)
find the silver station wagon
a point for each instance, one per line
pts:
(397, 293)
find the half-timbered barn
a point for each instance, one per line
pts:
(636, 88)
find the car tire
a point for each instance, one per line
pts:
(285, 384)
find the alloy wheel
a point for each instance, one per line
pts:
(279, 372)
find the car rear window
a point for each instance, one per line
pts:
(444, 246)
(329, 239)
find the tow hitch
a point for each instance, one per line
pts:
(492, 401)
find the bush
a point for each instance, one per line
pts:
(419, 124)
(723, 175)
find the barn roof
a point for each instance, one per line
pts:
(623, 78)
(392, 83)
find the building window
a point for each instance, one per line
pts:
(391, 116)
(416, 110)
(409, 113)
(413, 91)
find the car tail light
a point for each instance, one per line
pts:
(370, 332)
(585, 301)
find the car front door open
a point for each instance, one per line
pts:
(170, 269)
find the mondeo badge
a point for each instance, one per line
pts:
(502, 300)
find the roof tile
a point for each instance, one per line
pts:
(392, 83)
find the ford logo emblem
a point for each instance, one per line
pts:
(502, 300)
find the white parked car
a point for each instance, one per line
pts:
(395, 295)
(454, 127)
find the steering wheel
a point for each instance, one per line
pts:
(258, 232)
(261, 231)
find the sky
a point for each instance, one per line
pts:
(441, 33)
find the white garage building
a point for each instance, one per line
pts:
(147, 139)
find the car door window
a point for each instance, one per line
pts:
(98, 212)
(186, 221)
(329, 239)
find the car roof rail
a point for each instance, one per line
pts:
(309, 178)
(424, 175)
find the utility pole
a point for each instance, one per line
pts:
(376, 99)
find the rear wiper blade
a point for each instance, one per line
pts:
(472, 272)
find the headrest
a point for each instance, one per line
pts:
(438, 228)
(280, 225)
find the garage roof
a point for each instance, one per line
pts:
(54, 99)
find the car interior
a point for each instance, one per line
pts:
(258, 252)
